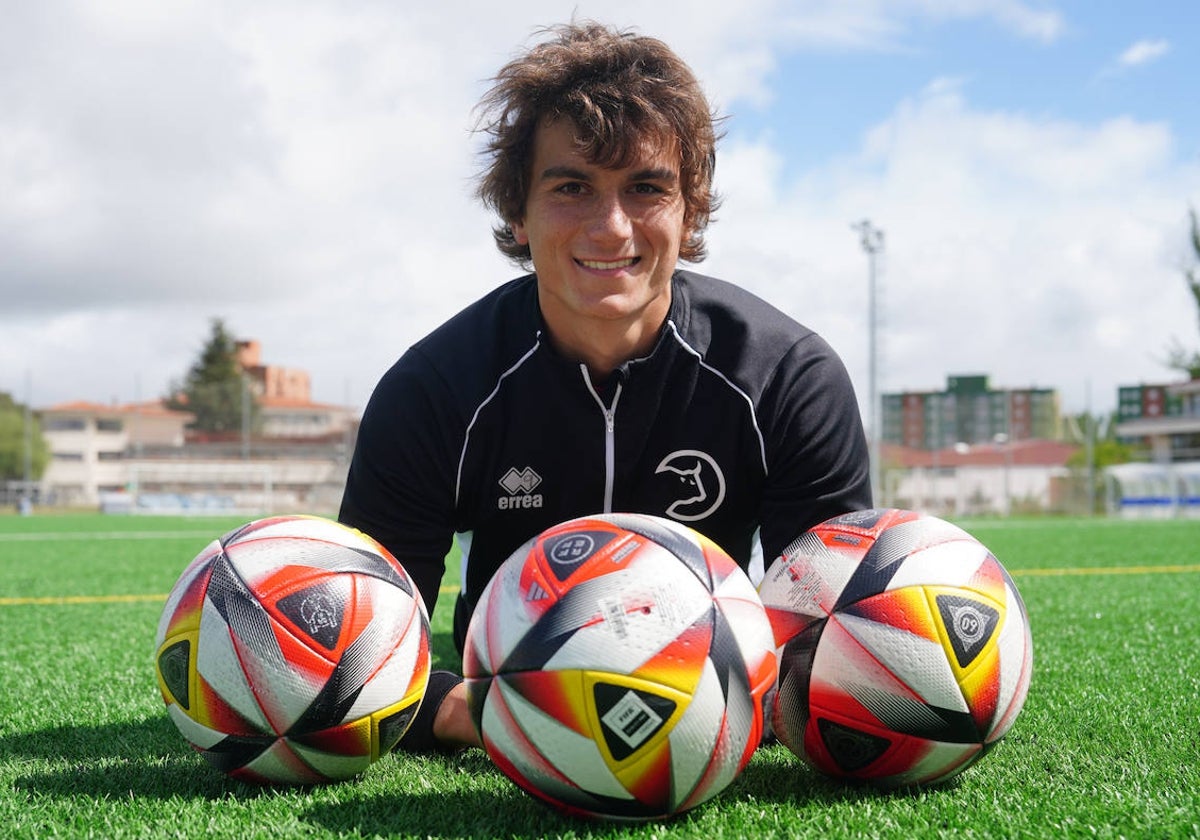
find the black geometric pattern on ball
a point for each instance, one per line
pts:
(689, 553)
(795, 672)
(318, 610)
(891, 548)
(173, 665)
(568, 551)
(558, 625)
(236, 751)
(852, 749)
(331, 557)
(970, 622)
(607, 696)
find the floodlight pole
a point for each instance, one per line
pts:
(27, 445)
(872, 243)
(245, 416)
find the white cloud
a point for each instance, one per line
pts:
(1144, 52)
(884, 24)
(303, 170)
(1027, 20)
(1039, 251)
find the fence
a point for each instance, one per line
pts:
(1153, 491)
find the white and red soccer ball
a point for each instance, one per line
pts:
(904, 647)
(293, 650)
(617, 666)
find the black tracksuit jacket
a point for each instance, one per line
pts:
(741, 423)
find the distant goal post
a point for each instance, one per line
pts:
(200, 487)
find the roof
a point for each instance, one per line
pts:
(1022, 453)
(1167, 425)
(153, 408)
(293, 403)
(1191, 386)
(158, 408)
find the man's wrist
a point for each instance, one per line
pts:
(421, 735)
(453, 726)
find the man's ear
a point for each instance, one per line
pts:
(520, 236)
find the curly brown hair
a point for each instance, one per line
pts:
(620, 90)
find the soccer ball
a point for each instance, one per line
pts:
(904, 647)
(617, 666)
(293, 650)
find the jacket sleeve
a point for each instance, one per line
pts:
(400, 487)
(817, 456)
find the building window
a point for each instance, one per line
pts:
(68, 456)
(109, 426)
(65, 424)
(110, 456)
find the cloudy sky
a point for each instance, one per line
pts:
(303, 170)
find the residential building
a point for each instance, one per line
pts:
(284, 397)
(969, 411)
(1165, 418)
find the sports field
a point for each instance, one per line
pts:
(1108, 744)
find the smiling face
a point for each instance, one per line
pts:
(604, 242)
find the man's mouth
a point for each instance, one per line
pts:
(608, 265)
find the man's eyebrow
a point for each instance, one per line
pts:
(654, 173)
(554, 172)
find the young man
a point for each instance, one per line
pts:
(609, 379)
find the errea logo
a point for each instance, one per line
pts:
(520, 484)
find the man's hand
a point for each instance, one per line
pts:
(452, 725)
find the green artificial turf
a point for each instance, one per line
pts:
(1108, 744)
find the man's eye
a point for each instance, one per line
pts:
(571, 188)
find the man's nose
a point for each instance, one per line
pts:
(611, 218)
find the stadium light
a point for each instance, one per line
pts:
(1003, 441)
(27, 435)
(872, 242)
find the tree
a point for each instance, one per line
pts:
(1178, 358)
(215, 390)
(1100, 448)
(20, 446)
(1107, 449)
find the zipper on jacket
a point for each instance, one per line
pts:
(610, 436)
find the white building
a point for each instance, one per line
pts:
(970, 480)
(139, 456)
(300, 419)
(91, 446)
